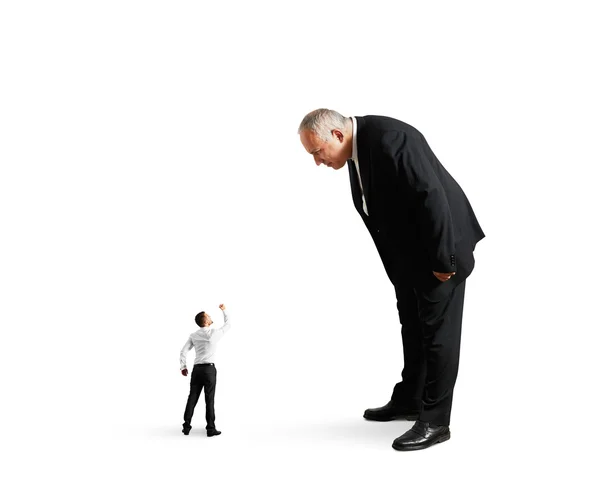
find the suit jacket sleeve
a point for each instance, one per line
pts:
(413, 163)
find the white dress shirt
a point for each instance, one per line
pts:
(354, 158)
(204, 341)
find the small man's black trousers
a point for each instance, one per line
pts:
(203, 376)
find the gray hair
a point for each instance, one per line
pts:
(323, 122)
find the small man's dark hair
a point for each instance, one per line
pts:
(200, 318)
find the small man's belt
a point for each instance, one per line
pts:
(204, 364)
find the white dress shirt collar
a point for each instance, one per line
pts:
(354, 147)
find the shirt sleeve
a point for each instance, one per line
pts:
(182, 356)
(217, 334)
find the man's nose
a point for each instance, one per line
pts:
(318, 161)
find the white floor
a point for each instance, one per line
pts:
(285, 440)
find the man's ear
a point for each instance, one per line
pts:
(338, 135)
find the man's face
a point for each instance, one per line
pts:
(207, 321)
(331, 153)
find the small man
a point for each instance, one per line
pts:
(204, 374)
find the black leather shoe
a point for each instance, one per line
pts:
(421, 436)
(212, 432)
(389, 412)
(186, 429)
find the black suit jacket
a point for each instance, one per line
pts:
(419, 217)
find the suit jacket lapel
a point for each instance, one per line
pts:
(364, 159)
(355, 187)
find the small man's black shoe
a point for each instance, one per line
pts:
(212, 432)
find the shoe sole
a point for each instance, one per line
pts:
(404, 417)
(439, 440)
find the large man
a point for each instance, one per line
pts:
(204, 374)
(425, 232)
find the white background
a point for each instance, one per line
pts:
(151, 169)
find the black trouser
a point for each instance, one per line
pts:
(203, 376)
(431, 342)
